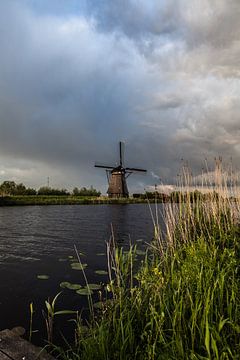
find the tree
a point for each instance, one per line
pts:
(20, 189)
(75, 191)
(86, 192)
(7, 188)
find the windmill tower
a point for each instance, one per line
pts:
(117, 175)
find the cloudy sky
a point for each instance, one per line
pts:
(77, 76)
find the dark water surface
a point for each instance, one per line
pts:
(40, 239)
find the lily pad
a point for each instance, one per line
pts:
(101, 272)
(78, 266)
(64, 284)
(85, 291)
(94, 286)
(70, 286)
(74, 286)
(42, 277)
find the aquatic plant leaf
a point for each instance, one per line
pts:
(100, 254)
(74, 286)
(94, 286)
(62, 260)
(64, 284)
(101, 272)
(84, 291)
(78, 266)
(42, 277)
(68, 285)
(64, 312)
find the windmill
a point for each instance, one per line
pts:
(117, 175)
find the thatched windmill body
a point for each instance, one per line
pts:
(117, 175)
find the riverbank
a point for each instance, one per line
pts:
(183, 300)
(25, 200)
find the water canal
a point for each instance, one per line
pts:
(39, 240)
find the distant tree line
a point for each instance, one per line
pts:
(177, 196)
(11, 188)
(86, 192)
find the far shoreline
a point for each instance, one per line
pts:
(31, 200)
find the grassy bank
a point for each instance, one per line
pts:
(181, 302)
(64, 200)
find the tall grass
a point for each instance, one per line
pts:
(182, 302)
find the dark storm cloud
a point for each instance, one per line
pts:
(161, 75)
(64, 88)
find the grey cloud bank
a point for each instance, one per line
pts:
(76, 78)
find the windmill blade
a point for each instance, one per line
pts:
(104, 166)
(121, 153)
(136, 169)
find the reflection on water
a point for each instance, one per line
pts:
(40, 240)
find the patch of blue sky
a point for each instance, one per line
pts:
(57, 7)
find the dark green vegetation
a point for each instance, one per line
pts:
(18, 194)
(10, 188)
(181, 301)
(63, 200)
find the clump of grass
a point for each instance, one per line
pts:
(183, 301)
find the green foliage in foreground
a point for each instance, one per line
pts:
(183, 303)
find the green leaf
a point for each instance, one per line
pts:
(207, 338)
(65, 312)
(84, 291)
(42, 277)
(64, 284)
(49, 308)
(101, 272)
(68, 285)
(214, 347)
(94, 286)
(222, 323)
(78, 266)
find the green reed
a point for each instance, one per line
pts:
(183, 300)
